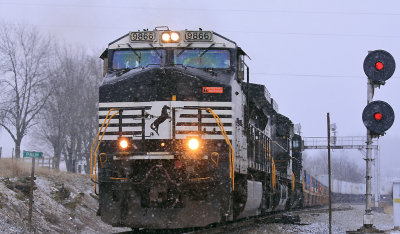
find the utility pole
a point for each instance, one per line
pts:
(329, 170)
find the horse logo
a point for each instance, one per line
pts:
(164, 115)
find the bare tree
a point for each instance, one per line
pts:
(68, 122)
(342, 167)
(24, 54)
(51, 127)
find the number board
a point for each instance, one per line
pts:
(198, 36)
(141, 36)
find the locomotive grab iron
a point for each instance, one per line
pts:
(185, 140)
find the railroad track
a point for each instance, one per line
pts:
(284, 217)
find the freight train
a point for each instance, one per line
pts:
(185, 140)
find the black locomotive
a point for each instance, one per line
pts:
(185, 140)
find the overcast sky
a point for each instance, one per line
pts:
(309, 54)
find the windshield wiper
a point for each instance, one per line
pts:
(134, 51)
(205, 51)
(183, 50)
(155, 50)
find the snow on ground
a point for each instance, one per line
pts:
(346, 219)
(63, 203)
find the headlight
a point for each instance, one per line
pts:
(175, 36)
(123, 143)
(165, 37)
(193, 144)
(168, 37)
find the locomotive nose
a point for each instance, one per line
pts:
(164, 84)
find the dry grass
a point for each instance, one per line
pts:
(21, 168)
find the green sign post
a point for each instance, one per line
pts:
(33, 155)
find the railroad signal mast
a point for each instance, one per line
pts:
(378, 116)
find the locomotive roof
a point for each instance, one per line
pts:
(132, 40)
(140, 39)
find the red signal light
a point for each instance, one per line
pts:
(379, 66)
(378, 116)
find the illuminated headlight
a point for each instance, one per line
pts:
(123, 144)
(193, 144)
(165, 37)
(168, 37)
(175, 36)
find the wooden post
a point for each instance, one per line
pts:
(329, 171)
(31, 191)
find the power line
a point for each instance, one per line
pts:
(99, 27)
(306, 75)
(201, 9)
(316, 34)
(288, 75)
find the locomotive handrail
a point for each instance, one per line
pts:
(215, 161)
(273, 167)
(293, 181)
(231, 151)
(108, 117)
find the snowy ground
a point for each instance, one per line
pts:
(343, 220)
(64, 203)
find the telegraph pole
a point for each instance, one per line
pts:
(329, 171)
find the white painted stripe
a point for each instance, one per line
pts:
(123, 104)
(124, 129)
(186, 128)
(204, 104)
(177, 112)
(195, 112)
(206, 137)
(112, 137)
(195, 128)
(178, 136)
(116, 121)
(185, 136)
(173, 104)
(125, 112)
(203, 120)
(178, 128)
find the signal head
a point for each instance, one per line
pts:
(379, 65)
(378, 117)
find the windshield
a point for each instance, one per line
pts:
(123, 59)
(203, 58)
